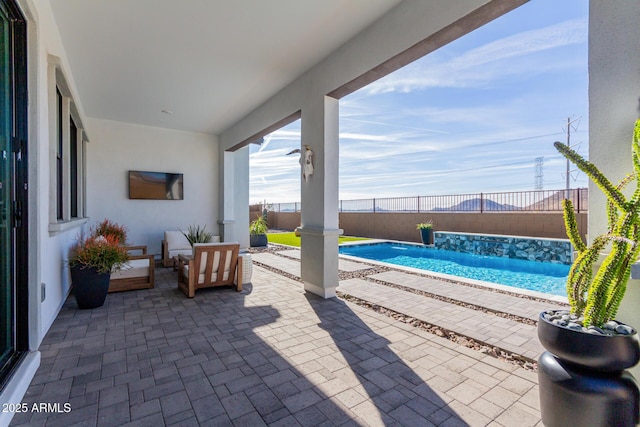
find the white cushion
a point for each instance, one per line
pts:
(176, 240)
(133, 268)
(177, 252)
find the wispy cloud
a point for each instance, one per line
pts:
(512, 55)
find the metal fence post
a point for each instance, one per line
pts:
(481, 203)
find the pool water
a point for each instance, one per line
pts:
(543, 277)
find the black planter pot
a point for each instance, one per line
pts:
(598, 352)
(427, 236)
(89, 287)
(256, 240)
(582, 378)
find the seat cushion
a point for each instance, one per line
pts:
(133, 268)
(177, 252)
(176, 240)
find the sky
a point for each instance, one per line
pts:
(470, 117)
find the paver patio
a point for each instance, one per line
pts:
(269, 355)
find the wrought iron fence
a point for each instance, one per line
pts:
(514, 201)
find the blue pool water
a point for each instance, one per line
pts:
(536, 276)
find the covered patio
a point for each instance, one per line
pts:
(95, 90)
(270, 355)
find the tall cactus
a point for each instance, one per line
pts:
(597, 295)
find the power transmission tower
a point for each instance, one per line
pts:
(539, 173)
(568, 170)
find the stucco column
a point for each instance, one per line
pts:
(233, 219)
(319, 214)
(614, 88)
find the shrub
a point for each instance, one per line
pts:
(427, 225)
(258, 226)
(108, 228)
(196, 234)
(104, 253)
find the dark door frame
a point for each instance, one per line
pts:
(19, 252)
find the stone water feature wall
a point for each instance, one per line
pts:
(526, 248)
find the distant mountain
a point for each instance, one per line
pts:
(472, 205)
(554, 202)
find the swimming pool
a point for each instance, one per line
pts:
(543, 277)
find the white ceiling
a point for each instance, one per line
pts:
(209, 62)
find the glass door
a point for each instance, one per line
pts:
(6, 183)
(13, 189)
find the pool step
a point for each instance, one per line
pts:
(507, 334)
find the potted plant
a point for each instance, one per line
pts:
(426, 232)
(258, 232)
(92, 261)
(582, 375)
(109, 228)
(195, 234)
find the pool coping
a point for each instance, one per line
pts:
(449, 277)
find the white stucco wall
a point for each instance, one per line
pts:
(117, 147)
(46, 250)
(614, 100)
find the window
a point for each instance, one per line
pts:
(59, 170)
(73, 168)
(68, 138)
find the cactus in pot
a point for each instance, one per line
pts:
(596, 295)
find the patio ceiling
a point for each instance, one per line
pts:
(208, 62)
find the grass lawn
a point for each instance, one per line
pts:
(291, 239)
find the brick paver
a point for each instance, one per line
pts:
(486, 298)
(343, 264)
(269, 355)
(507, 334)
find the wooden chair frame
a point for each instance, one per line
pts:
(190, 284)
(139, 282)
(166, 261)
